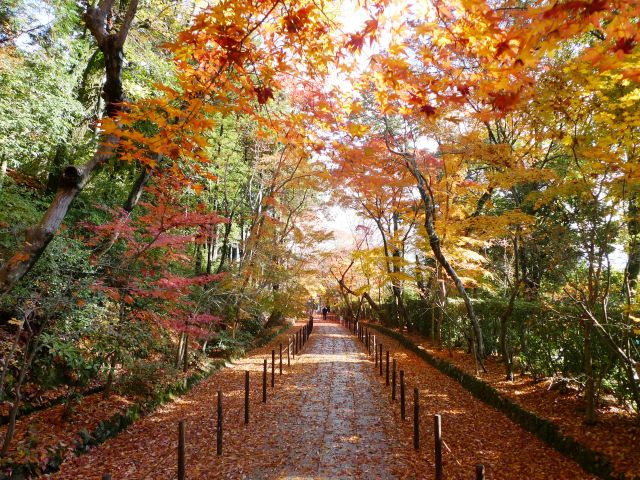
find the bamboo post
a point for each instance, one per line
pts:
(402, 398)
(393, 380)
(416, 418)
(437, 430)
(219, 426)
(246, 397)
(264, 382)
(479, 472)
(181, 448)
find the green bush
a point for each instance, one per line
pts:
(145, 378)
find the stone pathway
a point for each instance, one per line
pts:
(329, 416)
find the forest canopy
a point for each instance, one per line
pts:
(169, 169)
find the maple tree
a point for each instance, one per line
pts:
(490, 149)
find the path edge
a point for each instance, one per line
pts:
(120, 421)
(590, 460)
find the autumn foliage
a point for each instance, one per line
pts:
(488, 151)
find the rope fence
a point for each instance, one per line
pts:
(381, 363)
(295, 345)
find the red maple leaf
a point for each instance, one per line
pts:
(264, 94)
(625, 45)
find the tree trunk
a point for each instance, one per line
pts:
(4, 164)
(589, 391)
(275, 318)
(180, 350)
(434, 242)
(55, 168)
(185, 354)
(110, 376)
(132, 200)
(505, 351)
(633, 263)
(225, 246)
(74, 179)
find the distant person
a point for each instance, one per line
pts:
(325, 310)
(328, 309)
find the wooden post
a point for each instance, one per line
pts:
(402, 399)
(273, 367)
(288, 353)
(219, 426)
(416, 418)
(106, 476)
(479, 472)
(281, 358)
(264, 382)
(375, 348)
(393, 380)
(380, 359)
(386, 381)
(181, 447)
(246, 397)
(437, 430)
(376, 354)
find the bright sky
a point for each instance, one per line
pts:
(352, 17)
(40, 15)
